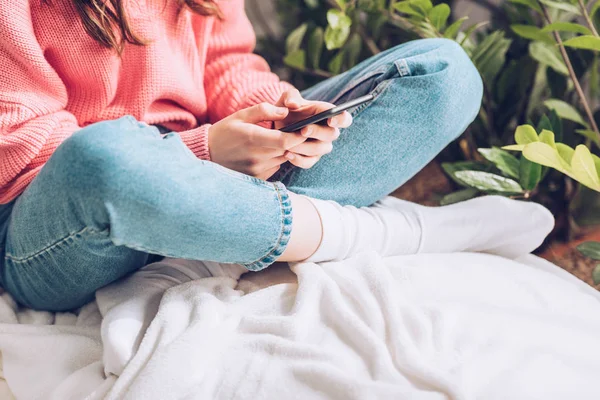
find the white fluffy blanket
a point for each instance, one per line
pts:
(449, 326)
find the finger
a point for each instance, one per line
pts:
(342, 120)
(302, 161)
(320, 132)
(262, 112)
(293, 99)
(312, 148)
(269, 173)
(274, 139)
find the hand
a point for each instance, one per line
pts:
(237, 143)
(308, 153)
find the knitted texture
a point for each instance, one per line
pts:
(56, 79)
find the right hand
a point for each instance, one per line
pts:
(237, 143)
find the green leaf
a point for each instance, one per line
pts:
(530, 174)
(565, 152)
(438, 16)
(352, 50)
(596, 275)
(547, 137)
(297, 59)
(548, 55)
(532, 33)
(533, 4)
(315, 47)
(417, 8)
(544, 124)
(590, 249)
(595, 9)
(525, 134)
(556, 125)
(335, 65)
(457, 197)
(338, 30)
(587, 42)
(543, 154)
(452, 168)
(565, 111)
(503, 160)
(312, 4)
(294, 40)
(567, 27)
(453, 29)
(514, 147)
(489, 182)
(590, 135)
(341, 4)
(560, 5)
(584, 169)
(472, 29)
(489, 56)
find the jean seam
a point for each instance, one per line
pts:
(48, 248)
(284, 235)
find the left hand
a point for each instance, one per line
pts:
(321, 137)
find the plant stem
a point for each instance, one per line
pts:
(589, 21)
(576, 83)
(372, 46)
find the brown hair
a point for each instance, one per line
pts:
(106, 20)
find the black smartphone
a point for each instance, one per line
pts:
(332, 112)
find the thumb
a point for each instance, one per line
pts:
(292, 99)
(262, 112)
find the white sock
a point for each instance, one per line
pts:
(129, 305)
(491, 224)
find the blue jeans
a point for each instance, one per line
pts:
(117, 192)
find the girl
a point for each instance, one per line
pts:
(131, 129)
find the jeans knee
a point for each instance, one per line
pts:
(88, 161)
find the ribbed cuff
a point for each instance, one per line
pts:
(284, 235)
(197, 141)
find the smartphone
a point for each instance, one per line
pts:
(332, 112)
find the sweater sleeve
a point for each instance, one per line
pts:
(33, 120)
(234, 77)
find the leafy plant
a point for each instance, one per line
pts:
(539, 60)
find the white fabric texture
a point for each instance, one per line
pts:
(425, 326)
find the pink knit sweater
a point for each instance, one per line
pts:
(55, 79)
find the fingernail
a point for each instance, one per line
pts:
(290, 156)
(337, 133)
(307, 132)
(281, 110)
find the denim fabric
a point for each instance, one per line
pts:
(117, 191)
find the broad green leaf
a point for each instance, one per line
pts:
(567, 27)
(545, 155)
(467, 33)
(556, 125)
(584, 169)
(525, 134)
(453, 29)
(533, 4)
(561, 5)
(294, 40)
(514, 147)
(297, 59)
(457, 197)
(503, 160)
(587, 42)
(596, 162)
(530, 174)
(352, 50)
(596, 275)
(593, 136)
(417, 8)
(548, 55)
(452, 168)
(489, 182)
(338, 30)
(565, 111)
(532, 33)
(335, 65)
(315, 47)
(438, 16)
(595, 9)
(547, 137)
(590, 249)
(544, 124)
(565, 152)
